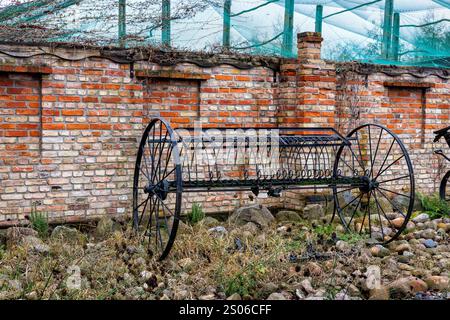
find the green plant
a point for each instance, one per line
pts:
(39, 221)
(352, 237)
(325, 230)
(434, 206)
(241, 283)
(196, 213)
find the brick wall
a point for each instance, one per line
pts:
(412, 102)
(70, 126)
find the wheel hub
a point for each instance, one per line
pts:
(160, 189)
(369, 184)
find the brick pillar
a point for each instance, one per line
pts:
(316, 84)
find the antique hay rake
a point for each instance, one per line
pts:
(369, 172)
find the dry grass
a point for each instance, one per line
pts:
(253, 264)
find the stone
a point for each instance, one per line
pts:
(342, 295)
(210, 296)
(15, 284)
(402, 247)
(218, 231)
(398, 222)
(307, 287)
(299, 294)
(410, 226)
(402, 202)
(33, 295)
(429, 243)
(405, 267)
(235, 296)
(444, 226)
(385, 205)
(15, 235)
(381, 293)
(379, 251)
(428, 234)
(105, 227)
(353, 290)
(276, 296)
(439, 283)
(391, 215)
(284, 229)
(313, 211)
(185, 263)
(180, 294)
(140, 262)
(407, 286)
(343, 246)
(251, 228)
(35, 244)
(312, 269)
(288, 216)
(210, 222)
(67, 234)
(405, 257)
(270, 287)
(146, 275)
(423, 217)
(373, 277)
(257, 214)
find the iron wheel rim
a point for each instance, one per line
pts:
(381, 191)
(152, 185)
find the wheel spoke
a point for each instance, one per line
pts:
(376, 150)
(367, 211)
(357, 159)
(360, 194)
(157, 172)
(345, 162)
(354, 211)
(392, 204)
(385, 158)
(143, 210)
(360, 153)
(378, 212)
(397, 193)
(165, 217)
(382, 210)
(370, 152)
(145, 162)
(149, 222)
(148, 178)
(395, 179)
(380, 173)
(140, 205)
(340, 191)
(158, 228)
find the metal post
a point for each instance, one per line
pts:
(122, 22)
(319, 15)
(226, 23)
(166, 22)
(396, 36)
(288, 33)
(387, 27)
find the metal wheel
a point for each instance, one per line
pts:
(444, 189)
(157, 188)
(381, 203)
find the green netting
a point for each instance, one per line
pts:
(402, 32)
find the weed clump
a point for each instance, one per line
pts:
(39, 222)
